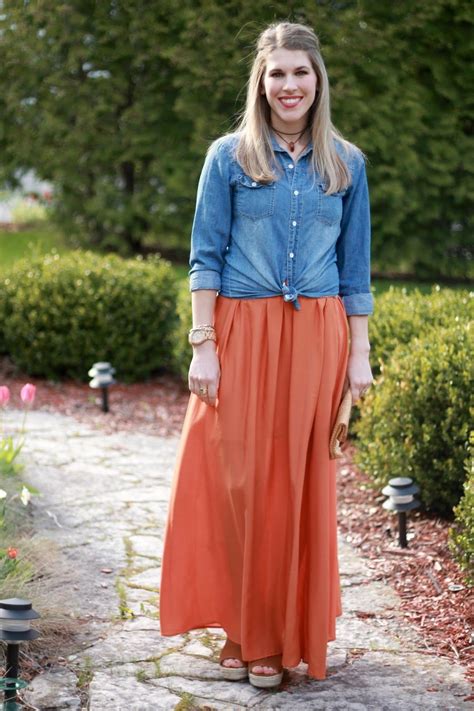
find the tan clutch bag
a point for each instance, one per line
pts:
(341, 426)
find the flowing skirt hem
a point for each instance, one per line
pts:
(315, 670)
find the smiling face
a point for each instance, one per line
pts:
(289, 84)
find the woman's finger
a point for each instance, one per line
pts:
(212, 393)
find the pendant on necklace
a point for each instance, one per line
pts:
(292, 146)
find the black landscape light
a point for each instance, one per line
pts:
(15, 617)
(401, 499)
(102, 375)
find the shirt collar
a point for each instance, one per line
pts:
(276, 147)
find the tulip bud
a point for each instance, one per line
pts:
(28, 393)
(4, 395)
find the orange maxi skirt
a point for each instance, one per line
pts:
(250, 542)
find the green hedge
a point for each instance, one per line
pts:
(182, 351)
(60, 314)
(400, 316)
(461, 539)
(415, 421)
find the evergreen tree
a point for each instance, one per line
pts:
(90, 106)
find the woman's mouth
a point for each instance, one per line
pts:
(290, 102)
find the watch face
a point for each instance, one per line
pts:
(197, 337)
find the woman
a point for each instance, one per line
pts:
(282, 234)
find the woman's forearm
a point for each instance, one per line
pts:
(359, 372)
(359, 330)
(203, 305)
(204, 370)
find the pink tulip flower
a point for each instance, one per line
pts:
(28, 393)
(4, 395)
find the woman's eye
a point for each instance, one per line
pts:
(279, 74)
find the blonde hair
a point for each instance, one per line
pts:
(254, 151)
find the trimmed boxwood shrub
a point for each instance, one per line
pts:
(182, 351)
(415, 421)
(60, 314)
(400, 316)
(461, 540)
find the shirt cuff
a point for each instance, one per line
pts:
(359, 304)
(205, 279)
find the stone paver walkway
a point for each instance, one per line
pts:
(104, 502)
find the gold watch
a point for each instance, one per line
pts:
(198, 335)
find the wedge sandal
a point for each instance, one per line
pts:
(232, 650)
(265, 681)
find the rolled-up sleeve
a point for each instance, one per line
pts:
(353, 245)
(212, 220)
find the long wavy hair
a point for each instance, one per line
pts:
(254, 150)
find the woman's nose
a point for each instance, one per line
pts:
(290, 83)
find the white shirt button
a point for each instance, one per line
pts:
(254, 184)
(291, 255)
(290, 165)
(296, 192)
(294, 223)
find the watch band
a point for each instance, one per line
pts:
(199, 334)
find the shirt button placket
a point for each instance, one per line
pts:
(294, 224)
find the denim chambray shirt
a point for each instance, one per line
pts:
(251, 240)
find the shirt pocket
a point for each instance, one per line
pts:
(329, 206)
(252, 199)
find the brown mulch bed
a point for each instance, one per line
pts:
(433, 592)
(434, 596)
(155, 407)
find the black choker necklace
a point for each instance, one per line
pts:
(291, 144)
(287, 133)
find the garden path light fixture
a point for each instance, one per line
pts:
(401, 499)
(102, 375)
(15, 617)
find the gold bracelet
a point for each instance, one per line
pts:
(203, 325)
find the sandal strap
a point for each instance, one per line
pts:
(275, 662)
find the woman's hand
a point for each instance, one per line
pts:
(204, 372)
(359, 374)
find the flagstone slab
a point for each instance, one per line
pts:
(122, 646)
(54, 689)
(149, 578)
(240, 693)
(146, 545)
(122, 693)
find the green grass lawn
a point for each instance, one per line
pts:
(35, 240)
